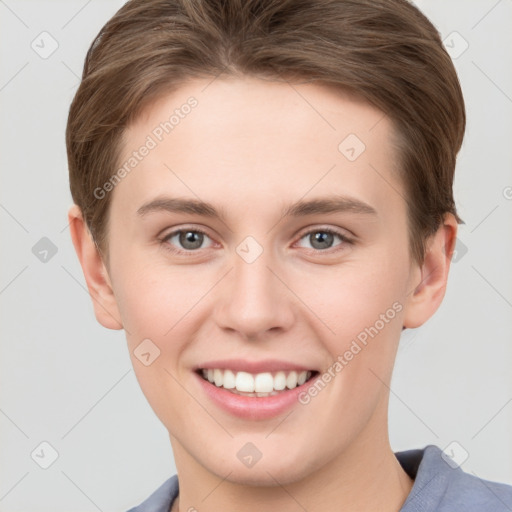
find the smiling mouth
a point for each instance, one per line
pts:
(256, 385)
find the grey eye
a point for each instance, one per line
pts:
(321, 239)
(191, 240)
(186, 239)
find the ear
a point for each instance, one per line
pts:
(95, 272)
(430, 279)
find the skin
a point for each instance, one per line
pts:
(251, 148)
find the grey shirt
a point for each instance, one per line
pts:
(438, 487)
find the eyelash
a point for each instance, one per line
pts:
(344, 239)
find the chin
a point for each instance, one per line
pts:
(271, 472)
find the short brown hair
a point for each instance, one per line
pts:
(385, 51)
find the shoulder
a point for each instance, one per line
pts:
(161, 499)
(440, 485)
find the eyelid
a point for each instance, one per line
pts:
(181, 227)
(345, 233)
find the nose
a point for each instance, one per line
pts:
(253, 300)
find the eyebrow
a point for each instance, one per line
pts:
(330, 204)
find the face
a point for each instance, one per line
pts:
(264, 234)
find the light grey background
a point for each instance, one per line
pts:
(68, 381)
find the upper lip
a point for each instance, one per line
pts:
(242, 365)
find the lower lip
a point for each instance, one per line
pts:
(253, 408)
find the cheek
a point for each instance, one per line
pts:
(160, 307)
(155, 299)
(361, 311)
(365, 313)
(156, 306)
(351, 299)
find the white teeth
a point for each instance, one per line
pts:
(244, 382)
(301, 378)
(280, 381)
(291, 380)
(263, 383)
(229, 379)
(260, 384)
(217, 377)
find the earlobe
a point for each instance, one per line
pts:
(95, 272)
(429, 282)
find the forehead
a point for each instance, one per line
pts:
(254, 109)
(260, 139)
